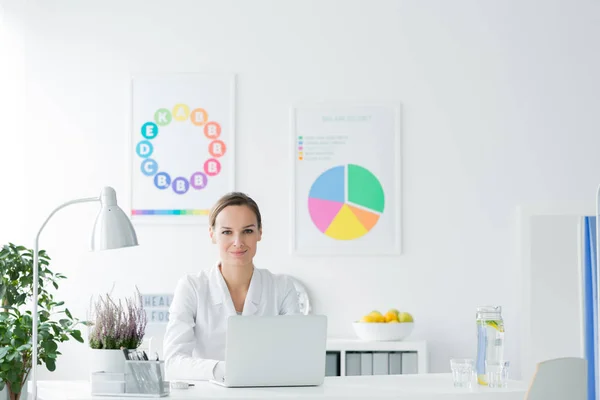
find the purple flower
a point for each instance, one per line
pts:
(115, 325)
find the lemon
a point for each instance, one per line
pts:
(499, 326)
(481, 379)
(391, 317)
(393, 310)
(368, 318)
(405, 317)
(375, 312)
(394, 322)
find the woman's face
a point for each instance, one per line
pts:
(237, 234)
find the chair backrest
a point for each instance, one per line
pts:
(559, 379)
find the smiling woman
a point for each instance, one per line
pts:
(236, 227)
(194, 343)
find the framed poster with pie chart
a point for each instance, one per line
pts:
(346, 179)
(182, 145)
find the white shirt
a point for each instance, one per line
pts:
(194, 341)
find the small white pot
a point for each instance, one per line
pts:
(107, 361)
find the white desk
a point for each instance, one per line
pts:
(402, 387)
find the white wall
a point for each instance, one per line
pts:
(500, 105)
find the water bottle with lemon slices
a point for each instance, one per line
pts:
(490, 339)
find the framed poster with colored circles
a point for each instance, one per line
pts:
(346, 179)
(182, 145)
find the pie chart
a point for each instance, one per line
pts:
(345, 202)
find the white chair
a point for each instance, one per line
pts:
(559, 379)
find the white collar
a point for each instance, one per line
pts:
(220, 294)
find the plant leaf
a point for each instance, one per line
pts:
(68, 313)
(15, 387)
(50, 364)
(24, 347)
(11, 375)
(77, 336)
(50, 346)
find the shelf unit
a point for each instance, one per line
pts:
(346, 357)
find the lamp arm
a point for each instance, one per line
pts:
(68, 203)
(34, 314)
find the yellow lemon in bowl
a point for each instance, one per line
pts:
(376, 316)
(405, 317)
(369, 318)
(390, 316)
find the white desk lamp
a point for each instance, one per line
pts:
(112, 230)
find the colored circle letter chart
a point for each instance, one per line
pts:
(346, 180)
(181, 147)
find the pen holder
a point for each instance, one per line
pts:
(146, 378)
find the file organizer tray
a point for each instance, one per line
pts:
(141, 379)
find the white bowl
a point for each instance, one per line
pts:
(382, 331)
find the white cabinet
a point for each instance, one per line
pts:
(348, 357)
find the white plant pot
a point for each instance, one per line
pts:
(107, 361)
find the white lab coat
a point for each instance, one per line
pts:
(194, 341)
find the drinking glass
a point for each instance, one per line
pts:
(497, 373)
(462, 372)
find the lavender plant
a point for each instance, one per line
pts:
(117, 324)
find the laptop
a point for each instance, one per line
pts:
(283, 350)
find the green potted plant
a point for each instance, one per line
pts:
(115, 325)
(56, 324)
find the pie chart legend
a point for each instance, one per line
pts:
(345, 202)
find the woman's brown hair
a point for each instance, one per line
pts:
(233, 199)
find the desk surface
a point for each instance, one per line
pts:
(404, 387)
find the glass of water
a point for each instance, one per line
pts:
(497, 373)
(462, 372)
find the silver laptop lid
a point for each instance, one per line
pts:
(284, 350)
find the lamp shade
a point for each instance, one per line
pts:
(112, 229)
